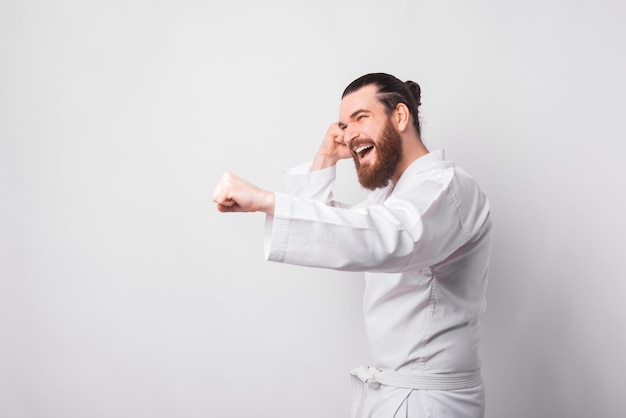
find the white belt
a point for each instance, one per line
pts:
(374, 377)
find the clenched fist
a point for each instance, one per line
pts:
(332, 149)
(234, 194)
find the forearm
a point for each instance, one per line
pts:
(268, 203)
(302, 181)
(322, 161)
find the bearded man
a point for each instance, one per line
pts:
(422, 238)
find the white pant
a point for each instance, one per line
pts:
(389, 394)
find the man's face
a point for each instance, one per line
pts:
(375, 143)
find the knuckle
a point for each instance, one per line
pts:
(228, 178)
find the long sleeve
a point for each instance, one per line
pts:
(424, 220)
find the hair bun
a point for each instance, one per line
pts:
(415, 90)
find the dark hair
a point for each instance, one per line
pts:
(391, 92)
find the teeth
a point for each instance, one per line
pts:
(362, 148)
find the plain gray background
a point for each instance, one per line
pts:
(124, 293)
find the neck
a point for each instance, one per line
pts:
(412, 149)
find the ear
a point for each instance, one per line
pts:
(402, 117)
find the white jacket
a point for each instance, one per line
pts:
(424, 245)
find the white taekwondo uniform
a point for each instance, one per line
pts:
(424, 245)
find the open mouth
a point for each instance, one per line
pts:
(363, 150)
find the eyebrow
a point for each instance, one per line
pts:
(356, 112)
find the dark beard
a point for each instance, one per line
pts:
(388, 156)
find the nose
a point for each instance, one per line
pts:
(349, 134)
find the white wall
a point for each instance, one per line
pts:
(123, 292)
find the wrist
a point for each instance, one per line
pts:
(323, 161)
(269, 203)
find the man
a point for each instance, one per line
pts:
(422, 238)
